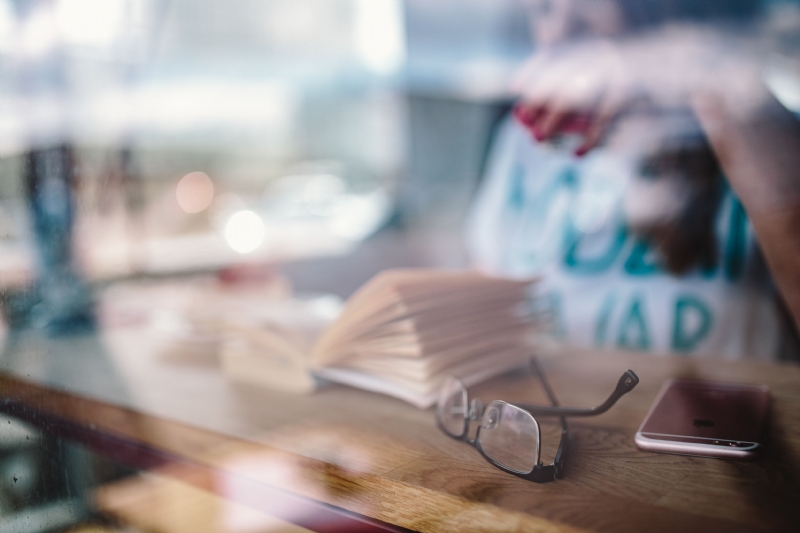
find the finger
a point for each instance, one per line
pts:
(551, 121)
(527, 114)
(592, 137)
(523, 114)
(562, 95)
(607, 111)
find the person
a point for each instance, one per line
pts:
(648, 178)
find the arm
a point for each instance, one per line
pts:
(759, 150)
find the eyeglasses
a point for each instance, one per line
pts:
(508, 435)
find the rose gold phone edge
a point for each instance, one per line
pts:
(688, 448)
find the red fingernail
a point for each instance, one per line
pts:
(523, 115)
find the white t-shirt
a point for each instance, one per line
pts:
(542, 211)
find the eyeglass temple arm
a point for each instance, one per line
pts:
(626, 383)
(560, 458)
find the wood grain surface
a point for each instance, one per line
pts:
(384, 459)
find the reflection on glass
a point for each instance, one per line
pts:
(179, 180)
(452, 407)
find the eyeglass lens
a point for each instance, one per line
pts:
(451, 409)
(510, 437)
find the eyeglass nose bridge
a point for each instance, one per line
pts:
(476, 409)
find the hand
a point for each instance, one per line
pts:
(576, 90)
(594, 81)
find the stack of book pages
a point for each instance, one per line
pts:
(400, 334)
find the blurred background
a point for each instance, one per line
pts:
(276, 132)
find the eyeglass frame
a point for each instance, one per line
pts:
(475, 411)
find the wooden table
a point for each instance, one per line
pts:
(342, 454)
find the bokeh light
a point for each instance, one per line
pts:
(244, 231)
(195, 192)
(90, 22)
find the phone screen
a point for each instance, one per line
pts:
(709, 413)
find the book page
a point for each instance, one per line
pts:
(396, 294)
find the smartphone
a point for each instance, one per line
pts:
(706, 418)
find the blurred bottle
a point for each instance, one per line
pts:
(62, 303)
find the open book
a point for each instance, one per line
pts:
(400, 334)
